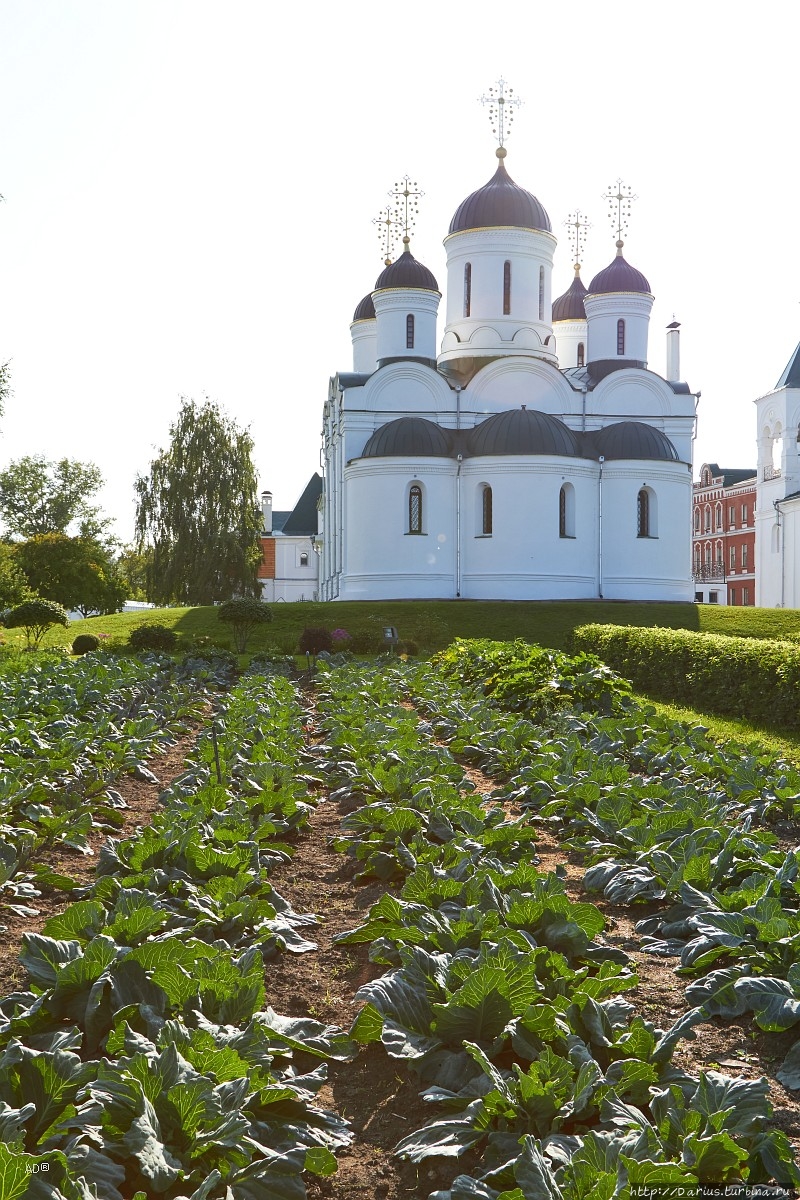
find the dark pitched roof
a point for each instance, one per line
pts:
(522, 431)
(791, 375)
(303, 518)
(731, 475)
(634, 439)
(500, 202)
(619, 276)
(569, 307)
(365, 310)
(408, 437)
(279, 519)
(406, 272)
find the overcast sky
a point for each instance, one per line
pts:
(190, 187)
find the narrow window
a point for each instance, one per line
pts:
(733, 558)
(620, 336)
(744, 514)
(708, 556)
(581, 355)
(733, 597)
(643, 514)
(506, 288)
(562, 513)
(303, 560)
(541, 293)
(744, 558)
(467, 288)
(697, 520)
(410, 331)
(745, 595)
(487, 511)
(719, 554)
(415, 509)
(731, 517)
(707, 520)
(566, 511)
(718, 516)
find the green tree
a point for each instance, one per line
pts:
(35, 617)
(38, 497)
(79, 573)
(132, 565)
(198, 511)
(243, 615)
(14, 587)
(5, 382)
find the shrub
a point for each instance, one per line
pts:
(153, 637)
(314, 639)
(757, 679)
(36, 617)
(243, 615)
(85, 642)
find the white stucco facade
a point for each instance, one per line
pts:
(493, 470)
(778, 492)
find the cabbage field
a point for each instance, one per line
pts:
(519, 847)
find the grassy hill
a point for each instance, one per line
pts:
(432, 624)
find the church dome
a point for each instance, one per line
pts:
(522, 431)
(634, 439)
(365, 310)
(569, 307)
(406, 272)
(619, 276)
(500, 202)
(408, 437)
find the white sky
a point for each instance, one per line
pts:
(190, 186)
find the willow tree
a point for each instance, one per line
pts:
(197, 511)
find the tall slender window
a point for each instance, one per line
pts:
(620, 336)
(506, 288)
(486, 511)
(467, 288)
(410, 331)
(566, 511)
(541, 293)
(581, 354)
(562, 513)
(415, 509)
(643, 514)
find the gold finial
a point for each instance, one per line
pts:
(619, 209)
(577, 235)
(406, 206)
(501, 105)
(387, 235)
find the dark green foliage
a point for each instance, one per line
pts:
(36, 617)
(14, 587)
(78, 572)
(197, 512)
(153, 637)
(37, 496)
(244, 615)
(85, 642)
(314, 639)
(741, 677)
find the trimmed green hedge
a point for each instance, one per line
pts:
(757, 679)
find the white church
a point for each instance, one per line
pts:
(532, 455)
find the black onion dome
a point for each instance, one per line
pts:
(619, 276)
(522, 431)
(365, 310)
(408, 437)
(500, 202)
(406, 272)
(569, 307)
(634, 439)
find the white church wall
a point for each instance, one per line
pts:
(604, 311)
(653, 567)
(364, 336)
(393, 306)
(512, 382)
(405, 388)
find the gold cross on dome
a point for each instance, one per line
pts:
(619, 207)
(501, 105)
(577, 233)
(387, 234)
(406, 206)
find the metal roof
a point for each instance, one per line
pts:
(633, 439)
(365, 310)
(406, 272)
(569, 307)
(500, 202)
(619, 276)
(408, 437)
(522, 431)
(303, 517)
(791, 375)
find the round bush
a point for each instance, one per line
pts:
(85, 642)
(314, 639)
(153, 637)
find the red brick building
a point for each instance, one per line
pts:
(724, 536)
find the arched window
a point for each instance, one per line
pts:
(620, 336)
(581, 355)
(506, 288)
(708, 555)
(707, 519)
(410, 331)
(718, 516)
(697, 520)
(541, 293)
(415, 509)
(486, 511)
(566, 511)
(643, 513)
(303, 560)
(467, 288)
